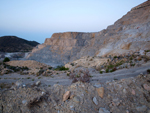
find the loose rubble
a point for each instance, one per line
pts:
(125, 95)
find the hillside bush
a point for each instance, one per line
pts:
(61, 68)
(6, 59)
(84, 77)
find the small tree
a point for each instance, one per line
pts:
(6, 59)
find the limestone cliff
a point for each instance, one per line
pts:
(129, 34)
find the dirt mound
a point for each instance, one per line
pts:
(28, 63)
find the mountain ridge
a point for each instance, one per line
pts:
(16, 44)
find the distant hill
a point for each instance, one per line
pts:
(16, 44)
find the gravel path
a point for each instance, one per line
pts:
(123, 73)
(63, 79)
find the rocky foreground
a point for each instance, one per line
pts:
(130, 95)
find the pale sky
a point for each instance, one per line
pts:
(39, 19)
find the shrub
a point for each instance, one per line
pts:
(132, 64)
(61, 68)
(101, 72)
(110, 66)
(119, 63)
(112, 70)
(148, 71)
(50, 68)
(146, 51)
(115, 57)
(83, 78)
(72, 64)
(107, 70)
(39, 77)
(40, 72)
(131, 58)
(6, 59)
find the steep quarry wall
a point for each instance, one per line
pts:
(62, 47)
(129, 34)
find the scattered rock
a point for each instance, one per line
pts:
(95, 101)
(18, 83)
(38, 83)
(71, 97)
(146, 87)
(97, 85)
(24, 101)
(141, 108)
(100, 91)
(76, 99)
(133, 92)
(72, 108)
(66, 95)
(124, 91)
(127, 111)
(103, 110)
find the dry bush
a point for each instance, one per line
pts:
(83, 77)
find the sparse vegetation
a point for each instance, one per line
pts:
(101, 72)
(112, 70)
(131, 58)
(40, 72)
(28, 77)
(50, 68)
(6, 59)
(72, 64)
(107, 70)
(4, 85)
(61, 68)
(148, 71)
(39, 77)
(84, 77)
(115, 57)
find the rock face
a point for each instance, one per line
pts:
(128, 34)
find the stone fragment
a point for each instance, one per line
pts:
(76, 99)
(38, 83)
(100, 91)
(141, 108)
(72, 108)
(97, 85)
(133, 92)
(66, 95)
(18, 83)
(24, 101)
(124, 91)
(95, 101)
(71, 97)
(146, 87)
(127, 111)
(103, 110)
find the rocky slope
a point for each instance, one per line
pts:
(128, 34)
(15, 44)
